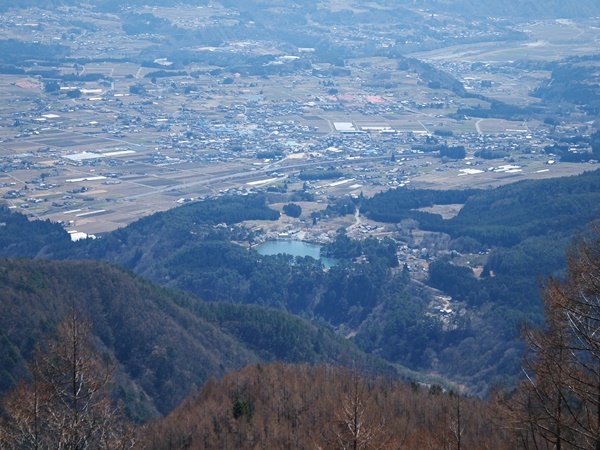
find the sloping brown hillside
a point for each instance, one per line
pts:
(304, 407)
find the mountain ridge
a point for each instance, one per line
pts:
(163, 351)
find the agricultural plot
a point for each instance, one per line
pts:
(204, 130)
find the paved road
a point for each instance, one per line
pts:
(477, 127)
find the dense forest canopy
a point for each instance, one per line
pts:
(524, 227)
(166, 343)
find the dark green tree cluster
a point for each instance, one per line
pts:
(566, 155)
(319, 174)
(399, 204)
(341, 206)
(343, 247)
(74, 93)
(457, 281)
(292, 210)
(13, 51)
(498, 110)
(573, 83)
(501, 217)
(595, 144)
(165, 74)
(270, 154)
(147, 23)
(22, 237)
(456, 152)
(376, 251)
(488, 153)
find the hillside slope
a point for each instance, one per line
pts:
(516, 234)
(285, 406)
(163, 350)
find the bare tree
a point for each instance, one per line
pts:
(581, 304)
(66, 403)
(456, 422)
(558, 402)
(359, 423)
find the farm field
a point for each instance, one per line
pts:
(126, 138)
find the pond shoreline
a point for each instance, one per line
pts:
(294, 248)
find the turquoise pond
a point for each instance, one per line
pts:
(295, 248)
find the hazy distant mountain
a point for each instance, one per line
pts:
(522, 9)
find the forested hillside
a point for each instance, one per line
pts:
(165, 343)
(555, 405)
(525, 227)
(303, 406)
